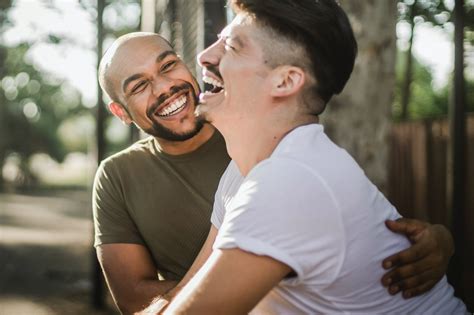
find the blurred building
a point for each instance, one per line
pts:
(190, 26)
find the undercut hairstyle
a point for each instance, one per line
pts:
(317, 36)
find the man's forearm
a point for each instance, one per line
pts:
(226, 284)
(160, 302)
(141, 294)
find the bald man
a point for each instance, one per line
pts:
(152, 201)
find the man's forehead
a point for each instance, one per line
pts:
(136, 56)
(143, 45)
(237, 24)
(135, 74)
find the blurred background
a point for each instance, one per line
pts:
(407, 116)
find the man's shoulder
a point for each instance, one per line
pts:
(123, 163)
(232, 170)
(136, 151)
(231, 176)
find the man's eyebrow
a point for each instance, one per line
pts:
(165, 54)
(222, 36)
(159, 59)
(130, 79)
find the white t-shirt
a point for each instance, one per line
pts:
(311, 207)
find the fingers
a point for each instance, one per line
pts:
(415, 271)
(406, 226)
(409, 255)
(419, 289)
(415, 285)
(418, 268)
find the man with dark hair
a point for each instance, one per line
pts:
(152, 201)
(300, 227)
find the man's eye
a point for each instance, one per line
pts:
(139, 87)
(228, 46)
(167, 66)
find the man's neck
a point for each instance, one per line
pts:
(256, 144)
(187, 146)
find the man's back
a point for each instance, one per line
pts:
(311, 207)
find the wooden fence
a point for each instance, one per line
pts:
(418, 182)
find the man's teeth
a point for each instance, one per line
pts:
(212, 81)
(174, 107)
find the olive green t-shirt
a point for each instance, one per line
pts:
(144, 196)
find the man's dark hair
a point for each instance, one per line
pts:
(321, 27)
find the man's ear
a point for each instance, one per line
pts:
(120, 112)
(287, 80)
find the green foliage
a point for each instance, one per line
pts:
(38, 112)
(470, 95)
(426, 102)
(33, 106)
(421, 11)
(120, 17)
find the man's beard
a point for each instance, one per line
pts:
(201, 117)
(160, 131)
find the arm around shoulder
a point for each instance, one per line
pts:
(417, 269)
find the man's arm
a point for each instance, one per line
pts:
(200, 260)
(131, 276)
(161, 301)
(232, 281)
(417, 269)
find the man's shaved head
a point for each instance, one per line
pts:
(150, 86)
(111, 59)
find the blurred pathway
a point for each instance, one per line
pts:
(45, 254)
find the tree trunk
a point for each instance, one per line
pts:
(406, 89)
(459, 274)
(98, 287)
(3, 121)
(2, 161)
(359, 119)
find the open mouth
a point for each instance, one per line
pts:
(173, 107)
(217, 86)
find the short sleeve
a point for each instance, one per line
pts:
(286, 211)
(112, 221)
(228, 186)
(218, 209)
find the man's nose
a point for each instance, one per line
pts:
(211, 55)
(161, 85)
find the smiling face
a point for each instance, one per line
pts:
(236, 67)
(153, 88)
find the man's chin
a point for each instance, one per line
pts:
(203, 113)
(159, 131)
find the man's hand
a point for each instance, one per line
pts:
(417, 269)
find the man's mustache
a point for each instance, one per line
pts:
(163, 97)
(215, 71)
